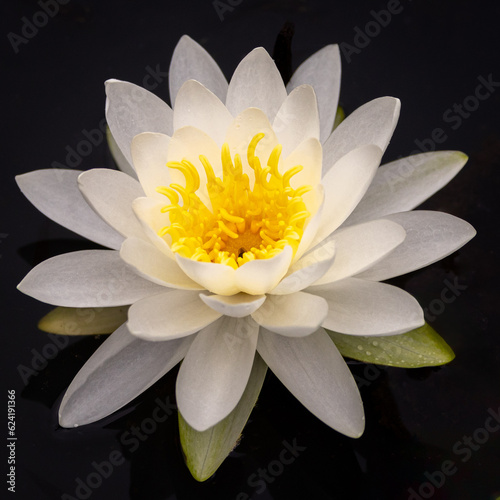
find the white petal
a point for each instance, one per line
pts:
(55, 193)
(360, 307)
(149, 153)
(256, 83)
(314, 201)
(246, 125)
(236, 306)
(122, 368)
(148, 211)
(190, 61)
(169, 315)
(155, 266)
(189, 143)
(215, 372)
(196, 106)
(88, 278)
(322, 70)
(297, 119)
(216, 278)
(360, 247)
(308, 270)
(131, 110)
(405, 183)
(295, 315)
(309, 155)
(120, 160)
(345, 184)
(111, 193)
(431, 236)
(261, 276)
(313, 370)
(372, 123)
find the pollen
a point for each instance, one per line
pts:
(244, 223)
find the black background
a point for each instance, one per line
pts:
(430, 55)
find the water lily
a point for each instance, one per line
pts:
(241, 224)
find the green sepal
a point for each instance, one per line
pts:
(205, 451)
(339, 118)
(415, 349)
(83, 320)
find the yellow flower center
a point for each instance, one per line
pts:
(245, 223)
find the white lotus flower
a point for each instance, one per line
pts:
(242, 225)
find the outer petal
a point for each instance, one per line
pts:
(169, 315)
(372, 123)
(257, 83)
(359, 307)
(313, 370)
(215, 372)
(360, 247)
(122, 368)
(196, 106)
(88, 278)
(431, 236)
(216, 278)
(261, 276)
(130, 110)
(297, 119)
(155, 266)
(120, 160)
(190, 61)
(405, 183)
(295, 315)
(308, 270)
(55, 193)
(322, 70)
(236, 306)
(345, 184)
(205, 451)
(111, 193)
(149, 153)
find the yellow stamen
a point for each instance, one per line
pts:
(243, 224)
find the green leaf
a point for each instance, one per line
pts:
(205, 451)
(420, 347)
(83, 320)
(339, 117)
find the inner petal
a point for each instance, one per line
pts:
(246, 220)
